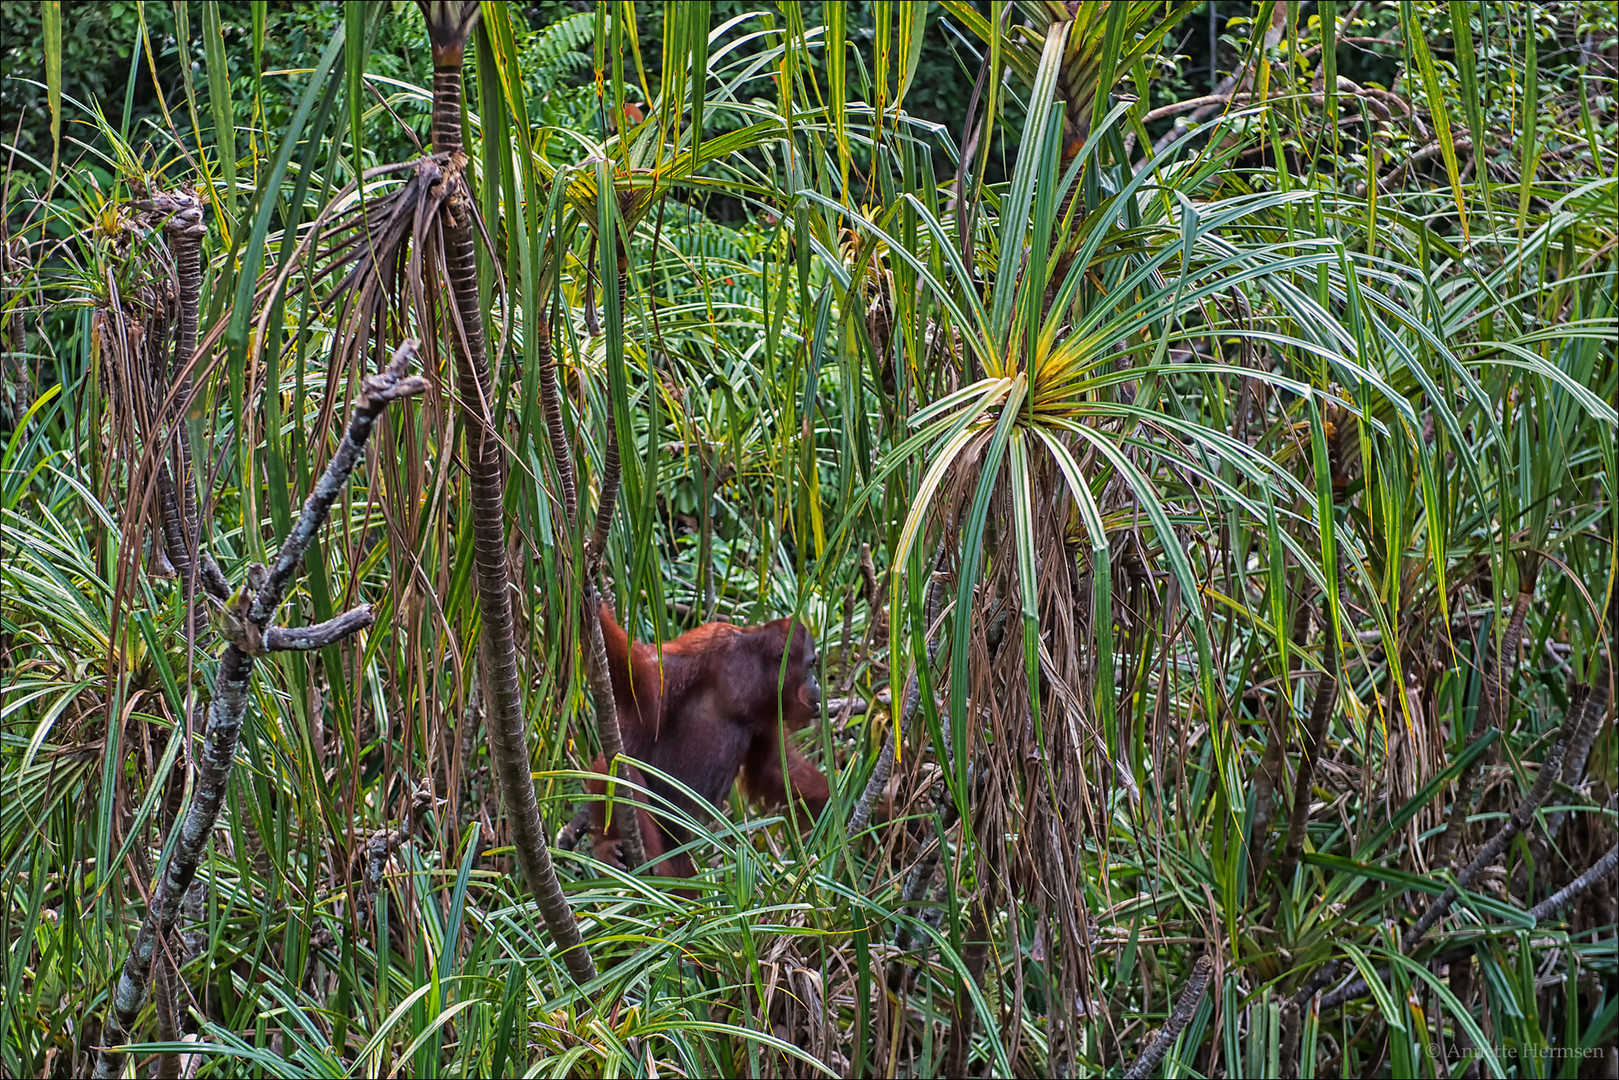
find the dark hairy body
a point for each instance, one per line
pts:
(715, 703)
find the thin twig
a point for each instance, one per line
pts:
(861, 816)
(1578, 887)
(320, 635)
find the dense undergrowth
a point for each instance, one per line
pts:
(1218, 510)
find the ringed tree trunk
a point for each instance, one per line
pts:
(595, 649)
(448, 25)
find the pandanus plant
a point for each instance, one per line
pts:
(1101, 43)
(1068, 485)
(383, 254)
(389, 249)
(377, 250)
(378, 256)
(448, 27)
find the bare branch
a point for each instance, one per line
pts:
(861, 816)
(1190, 999)
(1578, 887)
(375, 394)
(320, 635)
(228, 710)
(1550, 768)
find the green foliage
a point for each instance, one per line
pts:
(1152, 427)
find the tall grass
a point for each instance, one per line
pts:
(1238, 620)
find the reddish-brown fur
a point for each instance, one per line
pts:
(710, 712)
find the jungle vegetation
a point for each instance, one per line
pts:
(1188, 430)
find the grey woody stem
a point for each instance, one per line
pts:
(1185, 1007)
(228, 710)
(1593, 713)
(1551, 768)
(1543, 910)
(1578, 887)
(320, 635)
(861, 816)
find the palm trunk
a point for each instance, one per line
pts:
(182, 224)
(630, 840)
(551, 409)
(611, 466)
(166, 985)
(186, 232)
(607, 730)
(597, 676)
(181, 214)
(1587, 715)
(448, 25)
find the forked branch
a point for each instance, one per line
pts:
(252, 610)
